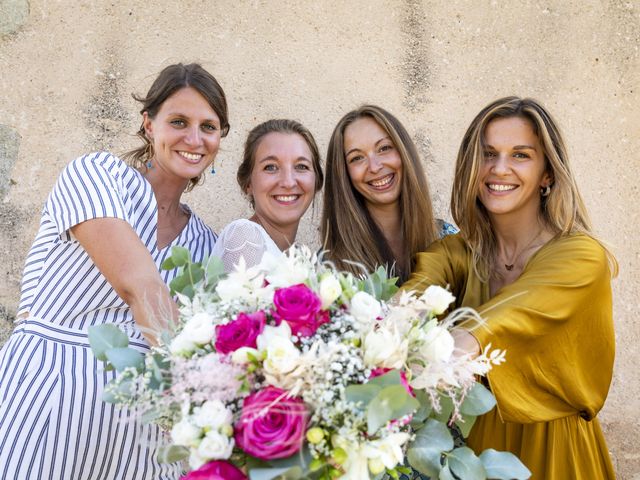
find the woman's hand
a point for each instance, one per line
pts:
(465, 343)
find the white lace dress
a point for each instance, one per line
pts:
(243, 238)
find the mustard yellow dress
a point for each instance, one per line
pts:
(555, 323)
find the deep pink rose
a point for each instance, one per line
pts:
(378, 372)
(216, 470)
(242, 332)
(300, 307)
(271, 424)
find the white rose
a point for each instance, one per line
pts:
(270, 333)
(212, 414)
(330, 290)
(437, 299)
(186, 433)
(181, 346)
(388, 450)
(438, 345)
(385, 348)
(199, 329)
(364, 307)
(241, 355)
(215, 446)
(282, 357)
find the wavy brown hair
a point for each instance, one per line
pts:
(170, 80)
(563, 210)
(348, 231)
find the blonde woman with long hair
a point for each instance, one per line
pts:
(377, 209)
(526, 259)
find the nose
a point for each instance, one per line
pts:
(375, 164)
(193, 136)
(287, 177)
(500, 165)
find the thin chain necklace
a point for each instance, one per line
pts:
(509, 266)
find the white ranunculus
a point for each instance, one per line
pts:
(212, 414)
(388, 450)
(330, 290)
(199, 329)
(181, 345)
(283, 270)
(385, 348)
(365, 308)
(186, 433)
(241, 355)
(437, 299)
(269, 333)
(281, 357)
(438, 345)
(356, 467)
(215, 446)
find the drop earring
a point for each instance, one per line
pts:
(149, 164)
(213, 169)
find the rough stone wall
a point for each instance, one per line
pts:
(69, 66)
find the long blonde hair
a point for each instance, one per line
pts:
(348, 231)
(563, 209)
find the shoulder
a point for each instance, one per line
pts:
(452, 243)
(573, 254)
(242, 227)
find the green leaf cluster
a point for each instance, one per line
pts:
(192, 274)
(379, 284)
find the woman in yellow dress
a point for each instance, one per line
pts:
(526, 259)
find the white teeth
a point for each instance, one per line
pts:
(500, 188)
(285, 198)
(190, 156)
(382, 182)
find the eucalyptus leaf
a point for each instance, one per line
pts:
(390, 403)
(425, 452)
(106, 336)
(503, 465)
(168, 264)
(423, 411)
(465, 464)
(479, 400)
(116, 391)
(286, 473)
(172, 453)
(122, 358)
(362, 393)
(392, 377)
(446, 408)
(194, 273)
(180, 256)
(214, 270)
(150, 416)
(466, 424)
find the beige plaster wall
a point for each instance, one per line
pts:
(68, 68)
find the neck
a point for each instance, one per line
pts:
(282, 235)
(167, 192)
(387, 218)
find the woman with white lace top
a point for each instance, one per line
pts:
(280, 173)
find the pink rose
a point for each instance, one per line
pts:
(271, 424)
(216, 470)
(242, 332)
(378, 372)
(300, 307)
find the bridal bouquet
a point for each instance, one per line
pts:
(292, 369)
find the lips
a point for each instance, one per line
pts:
(382, 183)
(286, 198)
(191, 157)
(500, 187)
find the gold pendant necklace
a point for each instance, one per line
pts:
(509, 266)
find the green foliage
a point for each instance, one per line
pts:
(503, 465)
(425, 452)
(390, 403)
(172, 454)
(192, 274)
(122, 358)
(478, 401)
(379, 285)
(104, 337)
(465, 464)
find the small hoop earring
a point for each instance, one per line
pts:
(545, 191)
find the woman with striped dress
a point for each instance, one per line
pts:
(105, 230)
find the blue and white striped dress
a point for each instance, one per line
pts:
(53, 424)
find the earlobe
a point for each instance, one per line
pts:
(146, 124)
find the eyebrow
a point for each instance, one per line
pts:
(180, 114)
(274, 157)
(516, 147)
(356, 149)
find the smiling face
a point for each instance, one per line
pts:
(373, 162)
(282, 182)
(513, 170)
(185, 134)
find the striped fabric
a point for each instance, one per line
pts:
(53, 424)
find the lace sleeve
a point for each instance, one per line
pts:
(240, 239)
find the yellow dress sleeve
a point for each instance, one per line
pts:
(555, 323)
